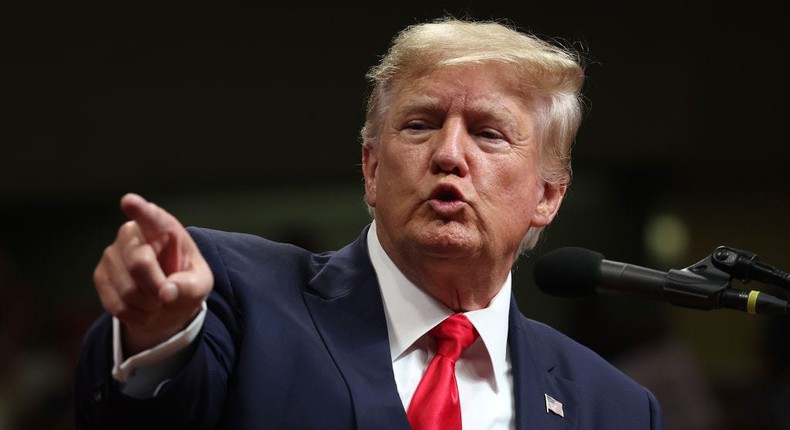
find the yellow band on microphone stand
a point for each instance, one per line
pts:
(751, 302)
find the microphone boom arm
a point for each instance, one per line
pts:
(700, 286)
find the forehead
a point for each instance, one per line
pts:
(490, 73)
(475, 85)
(491, 90)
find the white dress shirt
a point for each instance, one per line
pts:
(484, 372)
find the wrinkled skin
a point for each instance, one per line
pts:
(454, 182)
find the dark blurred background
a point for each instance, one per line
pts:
(244, 116)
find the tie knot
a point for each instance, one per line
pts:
(453, 335)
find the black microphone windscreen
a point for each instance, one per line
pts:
(568, 272)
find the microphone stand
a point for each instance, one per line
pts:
(746, 267)
(707, 285)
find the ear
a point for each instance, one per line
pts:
(549, 204)
(370, 164)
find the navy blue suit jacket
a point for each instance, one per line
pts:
(297, 340)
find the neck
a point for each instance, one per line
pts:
(462, 282)
(462, 285)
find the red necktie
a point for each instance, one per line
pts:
(435, 405)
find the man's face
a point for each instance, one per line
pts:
(455, 175)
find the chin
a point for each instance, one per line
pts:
(449, 240)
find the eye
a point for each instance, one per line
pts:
(416, 130)
(492, 140)
(416, 125)
(491, 134)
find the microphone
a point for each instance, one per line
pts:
(579, 272)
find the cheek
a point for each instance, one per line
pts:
(515, 197)
(402, 162)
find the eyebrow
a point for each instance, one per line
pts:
(497, 111)
(426, 103)
(422, 103)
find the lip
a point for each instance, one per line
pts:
(446, 199)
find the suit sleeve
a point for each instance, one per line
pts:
(656, 416)
(192, 399)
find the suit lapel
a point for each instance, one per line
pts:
(346, 305)
(533, 380)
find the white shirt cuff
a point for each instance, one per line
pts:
(122, 369)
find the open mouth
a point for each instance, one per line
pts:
(447, 201)
(446, 193)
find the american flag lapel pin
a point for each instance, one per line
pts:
(554, 406)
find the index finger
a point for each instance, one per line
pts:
(154, 222)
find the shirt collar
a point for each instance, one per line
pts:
(411, 312)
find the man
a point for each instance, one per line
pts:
(466, 157)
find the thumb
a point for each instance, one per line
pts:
(188, 287)
(168, 293)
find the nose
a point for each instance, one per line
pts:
(450, 153)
